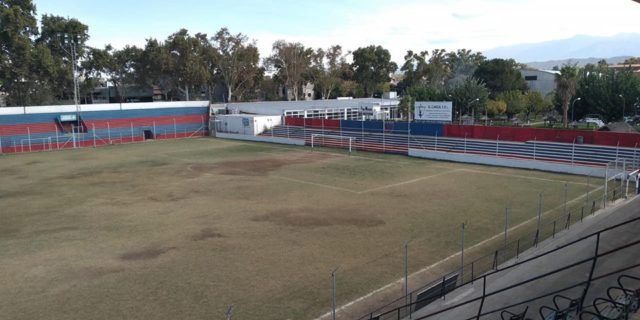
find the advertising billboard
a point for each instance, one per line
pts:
(440, 111)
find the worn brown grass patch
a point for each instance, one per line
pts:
(319, 217)
(206, 233)
(146, 253)
(259, 167)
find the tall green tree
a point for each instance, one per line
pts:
(17, 26)
(189, 61)
(500, 76)
(237, 61)
(372, 67)
(155, 67)
(463, 63)
(633, 60)
(515, 100)
(468, 96)
(325, 70)
(606, 91)
(566, 85)
(292, 62)
(495, 107)
(66, 39)
(535, 104)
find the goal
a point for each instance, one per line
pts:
(617, 176)
(328, 140)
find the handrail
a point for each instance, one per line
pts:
(595, 256)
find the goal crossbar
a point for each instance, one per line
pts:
(315, 136)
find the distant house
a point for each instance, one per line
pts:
(129, 94)
(543, 81)
(635, 68)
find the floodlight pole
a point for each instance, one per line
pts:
(506, 224)
(573, 107)
(333, 293)
(606, 185)
(565, 198)
(588, 189)
(462, 254)
(539, 217)
(406, 271)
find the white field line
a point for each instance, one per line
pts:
(521, 177)
(430, 165)
(455, 255)
(408, 182)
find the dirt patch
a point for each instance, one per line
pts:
(206, 233)
(54, 230)
(9, 171)
(168, 197)
(324, 217)
(98, 272)
(259, 167)
(147, 253)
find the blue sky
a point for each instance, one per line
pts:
(396, 25)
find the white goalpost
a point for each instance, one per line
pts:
(621, 170)
(324, 137)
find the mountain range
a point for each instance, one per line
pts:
(580, 49)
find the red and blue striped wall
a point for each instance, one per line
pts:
(35, 131)
(516, 134)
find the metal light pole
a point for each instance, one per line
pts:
(406, 271)
(333, 293)
(473, 111)
(462, 255)
(573, 108)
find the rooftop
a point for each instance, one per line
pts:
(279, 107)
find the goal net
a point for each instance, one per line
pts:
(333, 141)
(617, 177)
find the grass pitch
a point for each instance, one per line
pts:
(183, 229)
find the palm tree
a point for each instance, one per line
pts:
(567, 82)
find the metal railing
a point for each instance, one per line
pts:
(407, 310)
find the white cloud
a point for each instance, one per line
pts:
(478, 25)
(450, 24)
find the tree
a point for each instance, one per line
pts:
(500, 76)
(606, 91)
(634, 60)
(189, 60)
(438, 69)
(120, 66)
(463, 63)
(515, 100)
(292, 62)
(17, 26)
(407, 104)
(495, 107)
(468, 95)
(237, 61)
(372, 66)
(66, 39)
(155, 67)
(566, 83)
(535, 103)
(325, 70)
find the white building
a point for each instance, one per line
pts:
(329, 109)
(543, 81)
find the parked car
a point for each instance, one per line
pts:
(593, 119)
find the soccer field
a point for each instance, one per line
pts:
(183, 229)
